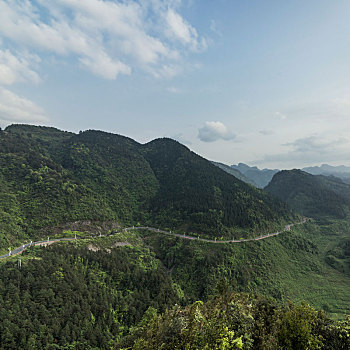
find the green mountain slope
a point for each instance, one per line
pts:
(52, 177)
(198, 196)
(295, 265)
(315, 196)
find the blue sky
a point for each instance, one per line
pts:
(264, 82)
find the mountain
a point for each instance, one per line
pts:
(136, 289)
(340, 171)
(311, 195)
(260, 177)
(236, 173)
(50, 177)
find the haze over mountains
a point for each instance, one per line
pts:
(235, 172)
(340, 171)
(261, 177)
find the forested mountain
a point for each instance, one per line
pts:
(316, 196)
(140, 290)
(50, 177)
(260, 177)
(236, 173)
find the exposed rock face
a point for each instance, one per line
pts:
(87, 226)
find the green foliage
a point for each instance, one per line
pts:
(237, 321)
(339, 257)
(292, 265)
(296, 329)
(197, 196)
(314, 196)
(105, 293)
(50, 177)
(11, 217)
(95, 294)
(196, 327)
(79, 298)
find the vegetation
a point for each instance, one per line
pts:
(115, 293)
(79, 297)
(291, 266)
(145, 290)
(316, 196)
(239, 321)
(49, 177)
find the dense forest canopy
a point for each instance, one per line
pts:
(120, 293)
(316, 196)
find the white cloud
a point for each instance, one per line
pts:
(179, 29)
(174, 90)
(280, 115)
(13, 69)
(213, 131)
(214, 27)
(107, 37)
(102, 65)
(165, 71)
(266, 132)
(311, 150)
(14, 108)
(316, 144)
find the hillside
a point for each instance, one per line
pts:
(128, 288)
(261, 177)
(50, 177)
(236, 173)
(312, 195)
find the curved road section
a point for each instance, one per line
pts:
(23, 247)
(286, 228)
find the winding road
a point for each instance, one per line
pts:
(23, 247)
(286, 228)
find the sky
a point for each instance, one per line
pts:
(264, 82)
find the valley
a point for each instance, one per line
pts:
(117, 233)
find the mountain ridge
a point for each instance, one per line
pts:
(316, 196)
(260, 177)
(55, 176)
(234, 172)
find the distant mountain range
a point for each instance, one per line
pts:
(236, 173)
(258, 177)
(261, 177)
(341, 171)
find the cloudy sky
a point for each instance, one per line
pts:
(265, 82)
